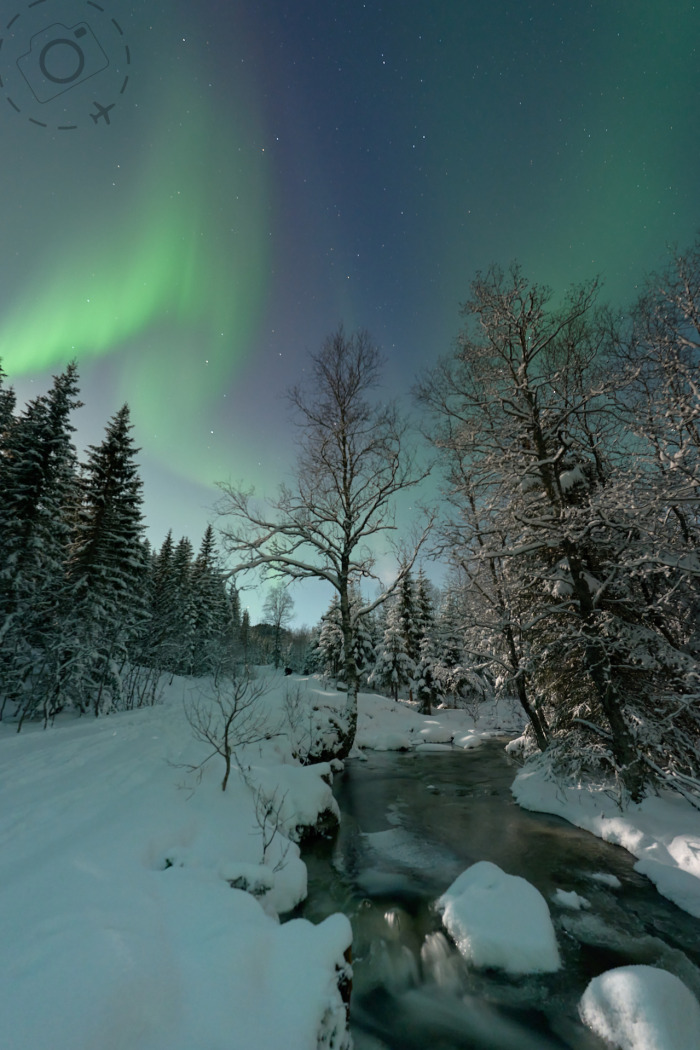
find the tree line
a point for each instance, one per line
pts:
(412, 647)
(90, 616)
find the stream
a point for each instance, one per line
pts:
(410, 823)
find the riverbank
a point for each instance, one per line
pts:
(662, 831)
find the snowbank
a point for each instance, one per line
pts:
(663, 832)
(642, 1008)
(121, 927)
(499, 920)
(388, 725)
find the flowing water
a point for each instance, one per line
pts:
(410, 824)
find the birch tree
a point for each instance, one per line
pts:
(278, 611)
(354, 459)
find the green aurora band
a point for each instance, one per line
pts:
(169, 284)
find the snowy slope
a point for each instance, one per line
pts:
(118, 928)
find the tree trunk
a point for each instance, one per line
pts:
(597, 663)
(623, 746)
(537, 723)
(349, 728)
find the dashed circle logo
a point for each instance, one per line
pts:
(64, 65)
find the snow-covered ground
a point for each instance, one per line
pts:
(119, 926)
(123, 924)
(385, 725)
(663, 830)
(124, 920)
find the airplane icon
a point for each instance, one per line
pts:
(102, 111)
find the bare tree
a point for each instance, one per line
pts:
(229, 719)
(277, 610)
(353, 461)
(522, 410)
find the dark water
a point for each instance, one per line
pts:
(410, 824)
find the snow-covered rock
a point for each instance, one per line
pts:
(642, 1008)
(390, 725)
(434, 732)
(499, 920)
(384, 739)
(300, 797)
(467, 741)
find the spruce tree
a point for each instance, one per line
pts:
(211, 608)
(394, 669)
(364, 646)
(38, 483)
(409, 617)
(428, 690)
(183, 633)
(163, 608)
(330, 642)
(107, 567)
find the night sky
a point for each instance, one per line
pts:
(272, 169)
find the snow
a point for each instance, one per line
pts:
(467, 741)
(642, 1008)
(662, 831)
(388, 725)
(606, 879)
(434, 732)
(140, 903)
(500, 921)
(569, 478)
(570, 899)
(119, 926)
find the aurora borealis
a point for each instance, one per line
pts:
(277, 168)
